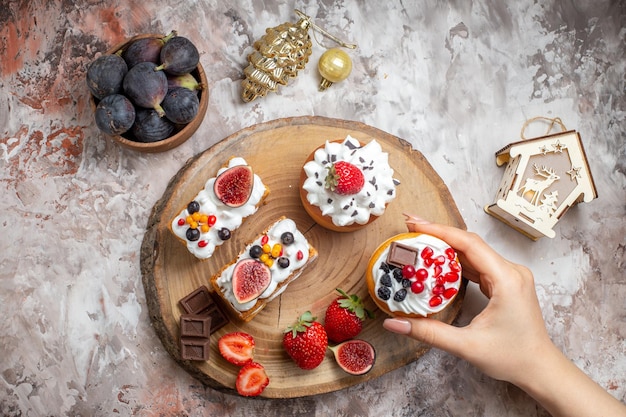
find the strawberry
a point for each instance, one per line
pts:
(306, 341)
(251, 380)
(344, 317)
(237, 347)
(344, 178)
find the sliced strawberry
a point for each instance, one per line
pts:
(251, 380)
(237, 347)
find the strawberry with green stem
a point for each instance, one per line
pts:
(305, 341)
(344, 178)
(344, 317)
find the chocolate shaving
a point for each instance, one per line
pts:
(350, 145)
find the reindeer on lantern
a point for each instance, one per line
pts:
(537, 187)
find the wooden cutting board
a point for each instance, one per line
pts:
(276, 150)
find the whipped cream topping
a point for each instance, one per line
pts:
(378, 191)
(226, 217)
(440, 285)
(297, 253)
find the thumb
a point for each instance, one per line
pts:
(430, 331)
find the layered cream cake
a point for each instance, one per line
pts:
(208, 221)
(263, 269)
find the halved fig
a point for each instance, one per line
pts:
(233, 187)
(250, 279)
(355, 356)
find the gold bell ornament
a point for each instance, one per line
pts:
(283, 51)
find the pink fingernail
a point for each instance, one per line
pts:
(411, 218)
(399, 326)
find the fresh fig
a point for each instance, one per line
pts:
(186, 81)
(179, 56)
(145, 50)
(233, 187)
(105, 75)
(149, 127)
(355, 356)
(115, 114)
(146, 87)
(180, 105)
(250, 279)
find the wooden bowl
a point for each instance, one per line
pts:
(181, 135)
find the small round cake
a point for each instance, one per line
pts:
(345, 185)
(413, 275)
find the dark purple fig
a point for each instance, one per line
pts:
(115, 114)
(250, 279)
(150, 127)
(145, 50)
(105, 75)
(180, 105)
(355, 356)
(179, 56)
(186, 81)
(146, 87)
(233, 187)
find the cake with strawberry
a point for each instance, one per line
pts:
(413, 275)
(345, 185)
(226, 200)
(263, 269)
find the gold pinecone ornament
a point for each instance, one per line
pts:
(278, 55)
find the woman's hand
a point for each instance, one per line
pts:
(508, 340)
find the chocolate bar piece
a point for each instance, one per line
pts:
(194, 348)
(192, 325)
(200, 302)
(400, 255)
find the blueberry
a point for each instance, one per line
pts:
(256, 251)
(406, 283)
(384, 293)
(400, 295)
(385, 267)
(192, 234)
(386, 280)
(283, 262)
(193, 207)
(397, 274)
(287, 238)
(223, 233)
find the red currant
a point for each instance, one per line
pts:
(417, 287)
(435, 301)
(181, 222)
(408, 271)
(421, 274)
(449, 293)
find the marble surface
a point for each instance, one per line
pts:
(456, 79)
